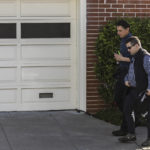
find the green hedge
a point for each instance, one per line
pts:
(111, 115)
(107, 43)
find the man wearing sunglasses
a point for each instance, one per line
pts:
(138, 80)
(123, 30)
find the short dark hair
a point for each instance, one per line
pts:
(123, 23)
(133, 40)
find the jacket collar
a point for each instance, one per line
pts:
(138, 53)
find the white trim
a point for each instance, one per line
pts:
(82, 55)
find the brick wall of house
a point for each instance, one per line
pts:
(98, 12)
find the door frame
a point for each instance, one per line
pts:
(81, 42)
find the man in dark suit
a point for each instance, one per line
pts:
(123, 30)
(137, 80)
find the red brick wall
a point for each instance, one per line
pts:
(98, 12)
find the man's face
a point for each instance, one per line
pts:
(122, 32)
(132, 49)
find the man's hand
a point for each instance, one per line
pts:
(118, 57)
(127, 83)
(148, 92)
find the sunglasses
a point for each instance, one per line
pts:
(130, 47)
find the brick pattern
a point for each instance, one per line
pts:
(98, 12)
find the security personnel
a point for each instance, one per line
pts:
(123, 30)
(138, 80)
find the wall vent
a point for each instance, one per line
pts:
(45, 95)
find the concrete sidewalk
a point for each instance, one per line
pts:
(59, 130)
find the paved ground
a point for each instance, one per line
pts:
(59, 130)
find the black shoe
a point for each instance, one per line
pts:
(119, 133)
(146, 143)
(128, 138)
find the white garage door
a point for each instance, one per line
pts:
(38, 54)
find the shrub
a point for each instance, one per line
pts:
(110, 115)
(107, 43)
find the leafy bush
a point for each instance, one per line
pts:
(110, 115)
(108, 42)
(114, 116)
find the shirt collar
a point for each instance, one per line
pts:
(127, 36)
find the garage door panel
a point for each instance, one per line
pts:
(48, 7)
(8, 74)
(8, 8)
(46, 73)
(43, 52)
(38, 55)
(45, 30)
(51, 95)
(8, 52)
(8, 95)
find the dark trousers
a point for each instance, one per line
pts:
(120, 93)
(128, 108)
(148, 121)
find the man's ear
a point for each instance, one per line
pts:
(128, 29)
(137, 46)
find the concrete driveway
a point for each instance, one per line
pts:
(59, 130)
